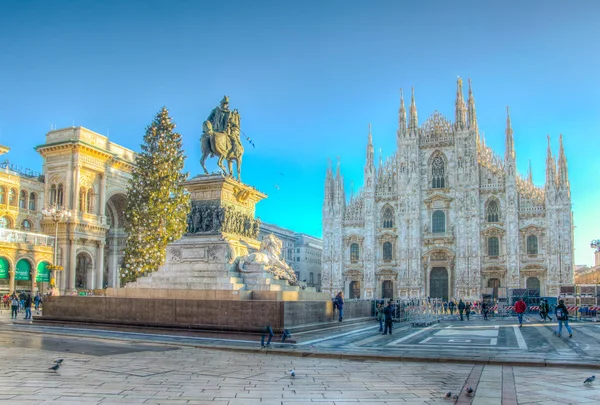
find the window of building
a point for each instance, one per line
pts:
(493, 246)
(23, 199)
(90, 201)
(437, 173)
(82, 201)
(388, 218)
(493, 211)
(438, 222)
(59, 195)
(12, 197)
(387, 251)
(4, 222)
(2, 195)
(319, 279)
(532, 245)
(311, 278)
(26, 225)
(53, 194)
(354, 253)
(297, 250)
(32, 198)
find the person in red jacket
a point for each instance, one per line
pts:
(520, 308)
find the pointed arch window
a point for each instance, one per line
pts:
(23, 199)
(388, 218)
(59, 194)
(493, 246)
(438, 222)
(82, 201)
(32, 198)
(493, 211)
(90, 200)
(387, 252)
(12, 197)
(532, 245)
(53, 194)
(26, 225)
(437, 173)
(2, 195)
(354, 253)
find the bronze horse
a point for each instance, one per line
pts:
(220, 144)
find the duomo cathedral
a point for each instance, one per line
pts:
(445, 217)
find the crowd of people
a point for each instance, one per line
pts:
(21, 303)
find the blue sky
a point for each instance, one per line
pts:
(307, 78)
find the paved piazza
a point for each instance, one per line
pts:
(348, 364)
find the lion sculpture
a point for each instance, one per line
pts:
(268, 256)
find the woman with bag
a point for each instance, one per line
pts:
(562, 316)
(379, 311)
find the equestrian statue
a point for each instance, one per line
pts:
(221, 138)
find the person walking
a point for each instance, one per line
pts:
(484, 310)
(339, 303)
(562, 316)
(27, 306)
(14, 306)
(380, 316)
(387, 314)
(520, 308)
(468, 309)
(451, 306)
(37, 300)
(544, 304)
(461, 308)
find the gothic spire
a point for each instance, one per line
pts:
(471, 111)
(530, 173)
(370, 164)
(402, 115)
(550, 167)
(337, 170)
(460, 121)
(563, 173)
(510, 143)
(414, 120)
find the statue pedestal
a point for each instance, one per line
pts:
(204, 259)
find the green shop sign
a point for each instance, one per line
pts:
(23, 270)
(3, 268)
(43, 274)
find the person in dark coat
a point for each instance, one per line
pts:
(562, 316)
(387, 315)
(339, 303)
(468, 309)
(461, 309)
(28, 306)
(484, 310)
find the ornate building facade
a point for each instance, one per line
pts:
(87, 175)
(445, 217)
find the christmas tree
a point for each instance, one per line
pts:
(157, 204)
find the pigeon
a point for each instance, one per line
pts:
(292, 373)
(469, 391)
(55, 367)
(455, 396)
(589, 380)
(59, 361)
(448, 394)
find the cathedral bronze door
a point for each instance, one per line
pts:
(355, 289)
(438, 283)
(387, 289)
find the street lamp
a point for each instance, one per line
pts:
(56, 214)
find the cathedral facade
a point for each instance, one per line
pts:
(445, 217)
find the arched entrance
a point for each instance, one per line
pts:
(533, 285)
(387, 289)
(354, 289)
(438, 283)
(83, 271)
(115, 240)
(494, 284)
(4, 275)
(23, 275)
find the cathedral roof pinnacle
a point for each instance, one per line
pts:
(460, 109)
(510, 144)
(472, 115)
(402, 114)
(414, 121)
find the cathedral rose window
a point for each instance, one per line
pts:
(388, 218)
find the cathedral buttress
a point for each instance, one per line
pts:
(369, 252)
(511, 243)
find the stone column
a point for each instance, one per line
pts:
(11, 285)
(75, 191)
(72, 265)
(100, 266)
(102, 201)
(33, 282)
